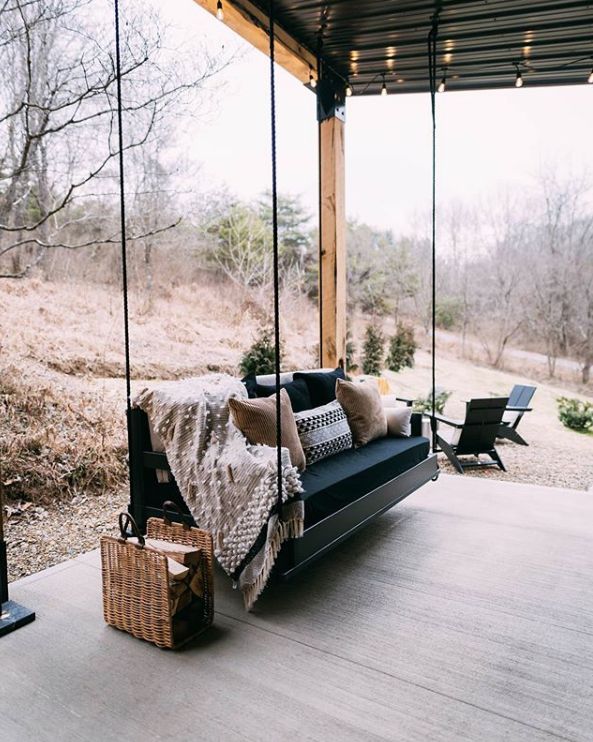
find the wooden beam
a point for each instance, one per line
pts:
(332, 254)
(252, 25)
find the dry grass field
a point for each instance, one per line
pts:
(62, 436)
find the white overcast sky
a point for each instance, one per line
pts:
(488, 141)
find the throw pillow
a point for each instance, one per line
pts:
(321, 384)
(389, 400)
(364, 410)
(256, 419)
(398, 421)
(324, 431)
(297, 390)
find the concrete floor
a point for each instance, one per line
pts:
(466, 613)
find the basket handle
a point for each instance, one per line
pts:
(170, 505)
(125, 521)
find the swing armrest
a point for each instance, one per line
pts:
(409, 402)
(518, 409)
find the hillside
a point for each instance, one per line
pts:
(62, 434)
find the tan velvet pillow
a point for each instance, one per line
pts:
(256, 419)
(364, 410)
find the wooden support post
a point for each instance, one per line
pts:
(332, 244)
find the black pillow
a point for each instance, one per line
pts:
(298, 392)
(321, 385)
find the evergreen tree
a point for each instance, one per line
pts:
(260, 357)
(373, 351)
(402, 347)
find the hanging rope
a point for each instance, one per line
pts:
(432, 76)
(276, 261)
(122, 208)
(122, 202)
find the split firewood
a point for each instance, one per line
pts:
(196, 583)
(177, 572)
(179, 602)
(186, 555)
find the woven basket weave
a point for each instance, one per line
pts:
(136, 593)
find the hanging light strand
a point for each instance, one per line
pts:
(519, 77)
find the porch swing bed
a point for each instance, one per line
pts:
(342, 493)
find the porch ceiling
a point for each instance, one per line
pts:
(479, 40)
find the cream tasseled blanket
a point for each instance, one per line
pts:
(229, 485)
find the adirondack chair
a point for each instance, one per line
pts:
(473, 436)
(518, 405)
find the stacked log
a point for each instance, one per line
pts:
(184, 565)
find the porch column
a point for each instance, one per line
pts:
(332, 229)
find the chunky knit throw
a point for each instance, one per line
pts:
(229, 485)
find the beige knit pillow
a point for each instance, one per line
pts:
(398, 421)
(256, 419)
(364, 410)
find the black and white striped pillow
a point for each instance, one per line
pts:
(323, 431)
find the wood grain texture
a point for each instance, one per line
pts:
(466, 613)
(332, 294)
(252, 25)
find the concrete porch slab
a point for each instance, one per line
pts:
(465, 613)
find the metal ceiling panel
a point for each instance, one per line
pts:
(480, 43)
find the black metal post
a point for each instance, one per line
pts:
(12, 615)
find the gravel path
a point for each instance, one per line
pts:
(38, 538)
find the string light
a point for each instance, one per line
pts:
(312, 80)
(348, 89)
(384, 87)
(519, 78)
(443, 83)
(219, 11)
(590, 78)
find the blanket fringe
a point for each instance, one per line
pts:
(286, 529)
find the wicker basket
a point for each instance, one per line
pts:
(136, 592)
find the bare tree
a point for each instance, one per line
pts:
(58, 137)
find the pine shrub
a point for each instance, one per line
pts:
(373, 351)
(402, 347)
(260, 357)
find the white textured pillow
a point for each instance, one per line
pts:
(390, 400)
(398, 421)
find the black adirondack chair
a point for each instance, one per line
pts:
(518, 405)
(473, 436)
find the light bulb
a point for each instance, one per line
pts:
(519, 80)
(348, 89)
(590, 78)
(312, 80)
(442, 86)
(219, 11)
(384, 89)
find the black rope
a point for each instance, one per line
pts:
(276, 261)
(432, 75)
(122, 206)
(122, 202)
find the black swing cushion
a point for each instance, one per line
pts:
(297, 390)
(321, 384)
(339, 480)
